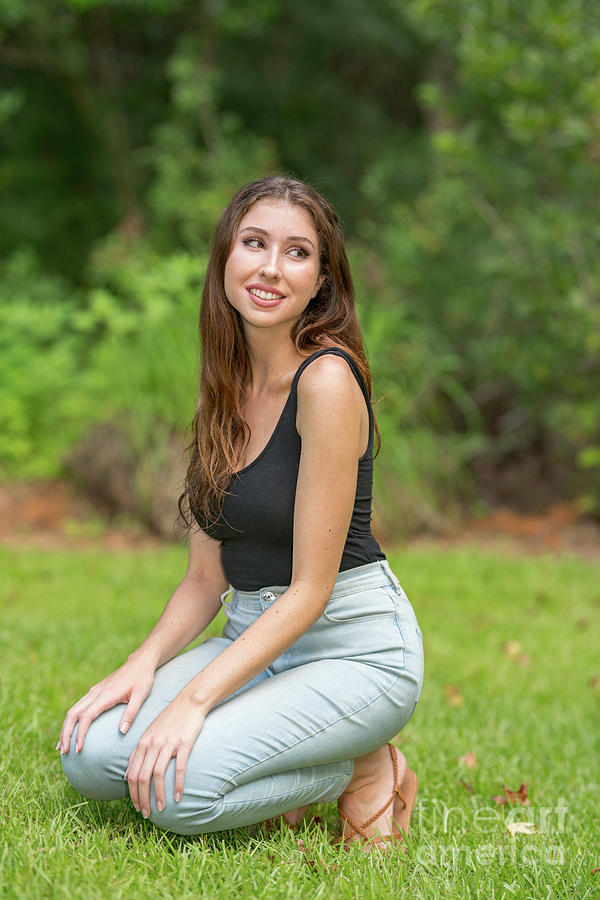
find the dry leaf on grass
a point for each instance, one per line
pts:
(469, 760)
(453, 695)
(519, 796)
(467, 787)
(513, 648)
(521, 827)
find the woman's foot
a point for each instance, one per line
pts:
(291, 818)
(294, 815)
(371, 789)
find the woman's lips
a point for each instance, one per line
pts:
(260, 302)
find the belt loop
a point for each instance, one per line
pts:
(224, 594)
(388, 569)
(385, 566)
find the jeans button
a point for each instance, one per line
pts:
(269, 596)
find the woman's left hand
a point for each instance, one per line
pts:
(171, 734)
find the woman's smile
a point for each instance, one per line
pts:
(274, 258)
(265, 299)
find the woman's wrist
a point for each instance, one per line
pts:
(194, 694)
(146, 654)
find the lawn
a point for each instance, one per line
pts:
(511, 697)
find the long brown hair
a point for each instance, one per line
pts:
(329, 320)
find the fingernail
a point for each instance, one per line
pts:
(124, 727)
(136, 807)
(177, 797)
(145, 813)
(57, 746)
(160, 806)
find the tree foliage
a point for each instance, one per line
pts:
(459, 141)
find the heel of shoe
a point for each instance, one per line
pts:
(405, 803)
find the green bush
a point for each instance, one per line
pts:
(459, 141)
(42, 411)
(498, 256)
(130, 353)
(143, 366)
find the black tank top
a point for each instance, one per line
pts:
(257, 551)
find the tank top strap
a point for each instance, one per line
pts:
(339, 351)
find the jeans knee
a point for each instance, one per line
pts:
(89, 771)
(197, 812)
(79, 769)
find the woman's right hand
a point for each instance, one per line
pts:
(129, 684)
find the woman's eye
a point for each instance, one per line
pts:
(298, 252)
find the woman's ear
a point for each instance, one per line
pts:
(320, 281)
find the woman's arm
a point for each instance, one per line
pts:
(330, 404)
(192, 606)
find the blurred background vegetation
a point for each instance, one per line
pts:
(459, 141)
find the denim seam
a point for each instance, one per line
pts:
(231, 803)
(384, 582)
(402, 638)
(367, 618)
(308, 737)
(397, 594)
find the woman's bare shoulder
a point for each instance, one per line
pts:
(329, 392)
(329, 374)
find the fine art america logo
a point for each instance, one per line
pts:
(432, 816)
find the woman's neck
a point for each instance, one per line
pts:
(271, 360)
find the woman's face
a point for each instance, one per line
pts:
(272, 271)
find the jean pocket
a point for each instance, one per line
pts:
(362, 606)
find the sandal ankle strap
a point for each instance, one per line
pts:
(359, 829)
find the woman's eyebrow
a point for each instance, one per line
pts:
(291, 237)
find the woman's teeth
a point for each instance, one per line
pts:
(264, 295)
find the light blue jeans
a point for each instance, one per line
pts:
(289, 736)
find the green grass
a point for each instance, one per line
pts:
(68, 619)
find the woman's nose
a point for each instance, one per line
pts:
(270, 269)
(269, 272)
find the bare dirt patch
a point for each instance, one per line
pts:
(559, 529)
(53, 515)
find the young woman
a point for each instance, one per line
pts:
(320, 663)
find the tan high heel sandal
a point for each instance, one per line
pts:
(403, 800)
